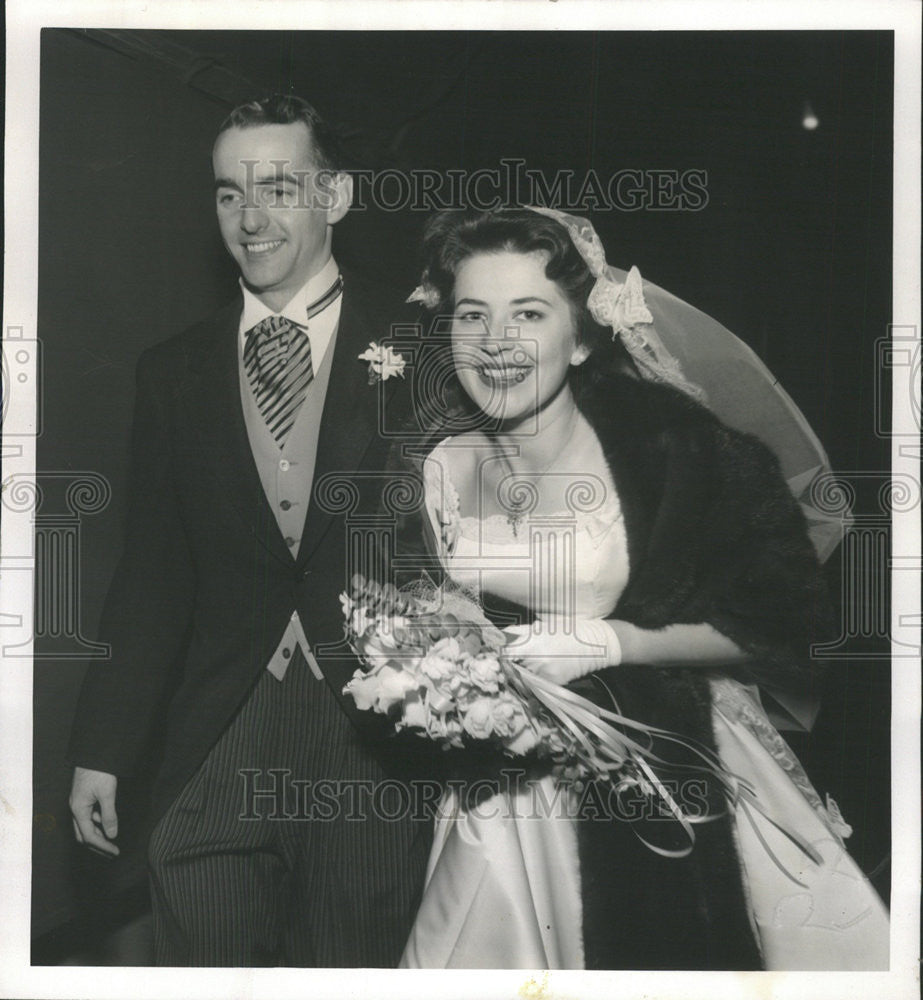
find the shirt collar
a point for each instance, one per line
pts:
(255, 311)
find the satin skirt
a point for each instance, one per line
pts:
(503, 882)
(503, 885)
(834, 920)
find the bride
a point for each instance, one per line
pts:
(657, 560)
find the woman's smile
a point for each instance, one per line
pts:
(503, 376)
(503, 370)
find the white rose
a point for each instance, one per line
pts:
(414, 713)
(393, 687)
(437, 700)
(478, 719)
(360, 620)
(441, 661)
(509, 718)
(522, 743)
(484, 671)
(364, 691)
(461, 688)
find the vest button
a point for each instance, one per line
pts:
(290, 541)
(286, 653)
(286, 504)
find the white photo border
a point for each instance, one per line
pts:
(25, 18)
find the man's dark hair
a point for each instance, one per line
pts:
(286, 109)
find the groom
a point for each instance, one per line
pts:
(227, 594)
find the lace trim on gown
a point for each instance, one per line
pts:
(497, 528)
(739, 705)
(440, 489)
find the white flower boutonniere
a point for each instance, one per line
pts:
(383, 362)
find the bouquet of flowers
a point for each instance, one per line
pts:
(435, 665)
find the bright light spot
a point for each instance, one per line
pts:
(809, 119)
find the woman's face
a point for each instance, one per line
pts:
(513, 334)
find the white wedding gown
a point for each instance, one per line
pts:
(503, 882)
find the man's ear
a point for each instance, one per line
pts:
(338, 189)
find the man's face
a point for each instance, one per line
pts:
(276, 207)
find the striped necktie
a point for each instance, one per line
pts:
(277, 360)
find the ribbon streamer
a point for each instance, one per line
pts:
(607, 745)
(574, 711)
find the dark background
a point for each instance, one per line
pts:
(792, 252)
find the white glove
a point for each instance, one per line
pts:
(562, 650)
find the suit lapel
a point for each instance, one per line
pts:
(218, 422)
(349, 423)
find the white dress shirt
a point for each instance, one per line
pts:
(320, 328)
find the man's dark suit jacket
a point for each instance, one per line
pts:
(206, 584)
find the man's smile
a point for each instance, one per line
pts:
(264, 247)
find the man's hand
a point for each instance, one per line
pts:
(92, 804)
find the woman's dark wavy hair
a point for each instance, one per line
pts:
(451, 237)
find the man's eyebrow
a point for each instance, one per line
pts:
(283, 177)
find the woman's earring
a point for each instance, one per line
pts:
(580, 353)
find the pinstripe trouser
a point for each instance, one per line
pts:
(275, 879)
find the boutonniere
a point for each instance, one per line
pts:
(383, 362)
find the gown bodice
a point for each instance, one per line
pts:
(568, 562)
